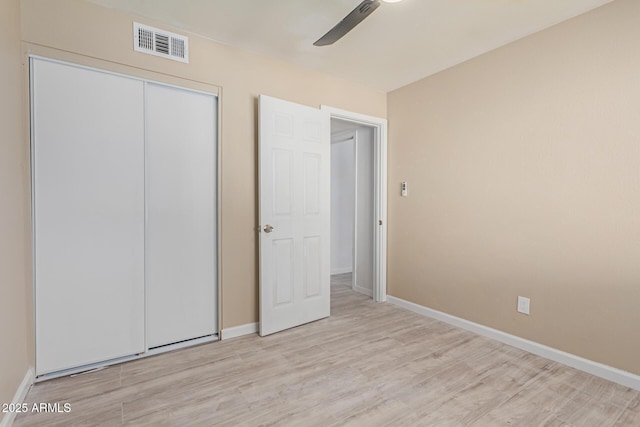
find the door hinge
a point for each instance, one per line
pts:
(380, 222)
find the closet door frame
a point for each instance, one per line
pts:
(145, 76)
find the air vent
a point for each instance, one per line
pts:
(154, 41)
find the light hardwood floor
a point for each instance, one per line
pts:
(368, 364)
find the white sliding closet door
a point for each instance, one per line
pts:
(181, 271)
(88, 183)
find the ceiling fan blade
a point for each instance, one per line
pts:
(356, 16)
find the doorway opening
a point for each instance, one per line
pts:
(358, 202)
(352, 205)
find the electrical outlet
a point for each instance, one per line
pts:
(524, 304)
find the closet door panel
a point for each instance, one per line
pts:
(88, 183)
(181, 215)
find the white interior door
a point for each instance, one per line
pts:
(181, 215)
(88, 204)
(294, 214)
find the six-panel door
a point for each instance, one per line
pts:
(294, 200)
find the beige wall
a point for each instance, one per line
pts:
(523, 170)
(92, 31)
(14, 317)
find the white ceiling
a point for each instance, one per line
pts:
(396, 45)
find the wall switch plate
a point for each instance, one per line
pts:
(524, 304)
(405, 190)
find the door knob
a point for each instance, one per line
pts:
(268, 228)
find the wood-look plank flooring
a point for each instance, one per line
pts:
(368, 364)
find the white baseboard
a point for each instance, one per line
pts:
(19, 397)
(360, 289)
(342, 270)
(601, 370)
(238, 331)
